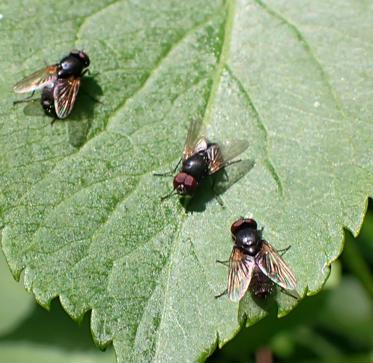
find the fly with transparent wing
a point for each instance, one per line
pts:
(241, 268)
(59, 84)
(37, 80)
(202, 158)
(64, 93)
(254, 264)
(274, 267)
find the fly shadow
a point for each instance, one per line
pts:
(267, 304)
(216, 185)
(79, 122)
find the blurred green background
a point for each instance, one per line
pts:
(31, 334)
(334, 326)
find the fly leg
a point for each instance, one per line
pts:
(170, 194)
(225, 263)
(88, 71)
(284, 250)
(231, 162)
(225, 292)
(287, 292)
(169, 173)
(54, 120)
(26, 99)
(216, 195)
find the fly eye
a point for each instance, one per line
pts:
(84, 58)
(236, 225)
(179, 181)
(190, 182)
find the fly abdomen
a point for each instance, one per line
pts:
(47, 100)
(261, 286)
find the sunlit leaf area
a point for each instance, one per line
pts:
(102, 261)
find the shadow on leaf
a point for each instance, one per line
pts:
(79, 122)
(217, 185)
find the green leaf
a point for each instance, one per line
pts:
(80, 207)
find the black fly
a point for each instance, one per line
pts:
(255, 264)
(59, 84)
(202, 158)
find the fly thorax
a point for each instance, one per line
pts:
(196, 166)
(70, 66)
(249, 241)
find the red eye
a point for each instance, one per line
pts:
(190, 182)
(243, 223)
(179, 179)
(185, 184)
(84, 57)
(236, 225)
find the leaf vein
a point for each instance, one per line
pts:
(267, 161)
(306, 45)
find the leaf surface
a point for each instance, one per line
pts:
(80, 208)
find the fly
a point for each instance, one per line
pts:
(59, 84)
(254, 264)
(201, 158)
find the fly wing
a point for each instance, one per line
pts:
(241, 269)
(216, 161)
(64, 94)
(192, 138)
(37, 80)
(275, 268)
(231, 149)
(221, 155)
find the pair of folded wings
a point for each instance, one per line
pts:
(268, 261)
(64, 89)
(219, 155)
